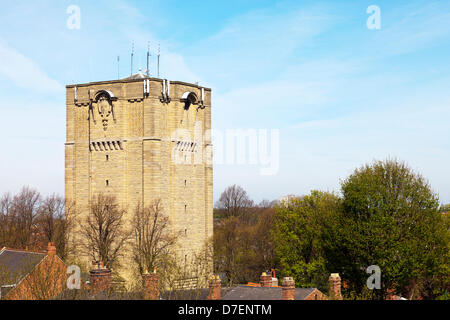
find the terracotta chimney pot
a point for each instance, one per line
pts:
(265, 280)
(335, 286)
(99, 280)
(215, 287)
(150, 286)
(51, 249)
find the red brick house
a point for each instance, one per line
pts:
(31, 275)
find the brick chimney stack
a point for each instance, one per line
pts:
(335, 286)
(288, 288)
(99, 279)
(215, 286)
(51, 249)
(265, 280)
(150, 286)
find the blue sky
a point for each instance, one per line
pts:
(340, 94)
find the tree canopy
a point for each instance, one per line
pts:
(297, 235)
(389, 218)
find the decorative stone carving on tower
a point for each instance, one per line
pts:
(105, 108)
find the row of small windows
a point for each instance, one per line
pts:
(186, 146)
(107, 145)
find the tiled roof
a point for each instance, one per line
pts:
(19, 262)
(263, 293)
(16, 264)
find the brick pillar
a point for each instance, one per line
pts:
(51, 249)
(288, 288)
(265, 280)
(214, 288)
(335, 286)
(99, 279)
(150, 286)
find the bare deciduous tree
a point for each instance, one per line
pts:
(56, 219)
(18, 217)
(234, 201)
(104, 231)
(265, 204)
(227, 247)
(242, 242)
(26, 209)
(154, 237)
(6, 218)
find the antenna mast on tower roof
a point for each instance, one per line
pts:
(148, 57)
(159, 54)
(132, 54)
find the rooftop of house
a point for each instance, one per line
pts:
(15, 264)
(241, 292)
(245, 292)
(19, 262)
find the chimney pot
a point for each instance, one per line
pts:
(288, 288)
(150, 286)
(335, 286)
(51, 249)
(265, 280)
(215, 287)
(99, 280)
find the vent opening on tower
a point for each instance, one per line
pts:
(189, 98)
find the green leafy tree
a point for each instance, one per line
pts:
(389, 218)
(297, 238)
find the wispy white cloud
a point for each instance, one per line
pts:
(257, 45)
(24, 72)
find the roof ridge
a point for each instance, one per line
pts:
(22, 250)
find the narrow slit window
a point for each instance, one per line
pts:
(107, 182)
